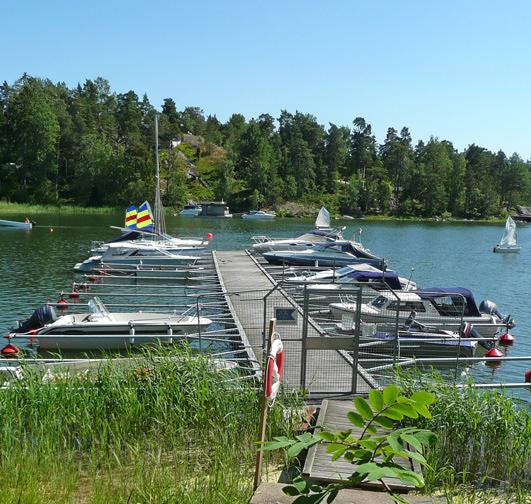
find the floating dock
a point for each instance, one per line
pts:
(254, 295)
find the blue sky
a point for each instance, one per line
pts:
(455, 70)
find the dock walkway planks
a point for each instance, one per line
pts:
(328, 372)
(319, 466)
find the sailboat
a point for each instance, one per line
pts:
(508, 241)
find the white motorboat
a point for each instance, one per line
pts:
(508, 242)
(191, 210)
(322, 233)
(104, 330)
(331, 254)
(355, 273)
(130, 257)
(175, 245)
(258, 215)
(16, 224)
(442, 308)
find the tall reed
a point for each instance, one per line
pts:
(484, 437)
(160, 430)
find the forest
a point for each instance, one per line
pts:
(90, 146)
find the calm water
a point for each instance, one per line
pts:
(35, 265)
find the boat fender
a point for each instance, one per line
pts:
(10, 350)
(494, 352)
(275, 366)
(506, 338)
(74, 294)
(528, 376)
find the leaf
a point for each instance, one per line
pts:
(423, 397)
(410, 477)
(333, 447)
(355, 419)
(277, 443)
(300, 484)
(327, 436)
(381, 472)
(413, 441)
(376, 399)
(390, 393)
(339, 453)
(393, 413)
(394, 443)
(363, 407)
(332, 496)
(290, 490)
(366, 468)
(423, 410)
(368, 443)
(406, 410)
(387, 423)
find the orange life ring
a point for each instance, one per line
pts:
(275, 366)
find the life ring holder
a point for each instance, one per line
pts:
(274, 368)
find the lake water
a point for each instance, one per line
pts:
(35, 265)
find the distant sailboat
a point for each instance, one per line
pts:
(323, 219)
(508, 241)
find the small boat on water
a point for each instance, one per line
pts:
(355, 273)
(190, 210)
(104, 330)
(331, 254)
(441, 308)
(16, 224)
(258, 215)
(130, 257)
(508, 242)
(322, 233)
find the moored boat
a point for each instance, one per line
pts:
(258, 215)
(104, 330)
(16, 224)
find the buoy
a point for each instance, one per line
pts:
(62, 303)
(93, 278)
(507, 338)
(494, 352)
(74, 294)
(210, 235)
(528, 376)
(10, 350)
(50, 230)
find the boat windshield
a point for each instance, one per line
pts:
(97, 308)
(344, 271)
(379, 302)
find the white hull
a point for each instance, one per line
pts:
(507, 250)
(15, 224)
(484, 325)
(125, 330)
(258, 216)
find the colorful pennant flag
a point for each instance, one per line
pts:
(144, 219)
(130, 217)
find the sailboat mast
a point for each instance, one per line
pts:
(160, 227)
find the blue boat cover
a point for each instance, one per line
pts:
(131, 235)
(432, 293)
(389, 277)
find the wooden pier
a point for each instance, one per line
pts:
(254, 295)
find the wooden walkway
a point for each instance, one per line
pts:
(319, 466)
(328, 371)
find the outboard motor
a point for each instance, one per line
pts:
(467, 330)
(491, 308)
(40, 317)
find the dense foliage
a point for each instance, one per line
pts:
(90, 146)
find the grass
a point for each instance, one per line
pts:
(484, 442)
(29, 209)
(161, 431)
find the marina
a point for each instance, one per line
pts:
(239, 292)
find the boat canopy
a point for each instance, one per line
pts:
(131, 235)
(389, 277)
(455, 295)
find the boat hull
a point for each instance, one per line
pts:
(506, 250)
(15, 224)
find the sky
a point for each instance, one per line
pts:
(457, 70)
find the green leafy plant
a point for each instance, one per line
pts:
(372, 452)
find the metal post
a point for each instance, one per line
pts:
(198, 324)
(305, 321)
(357, 332)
